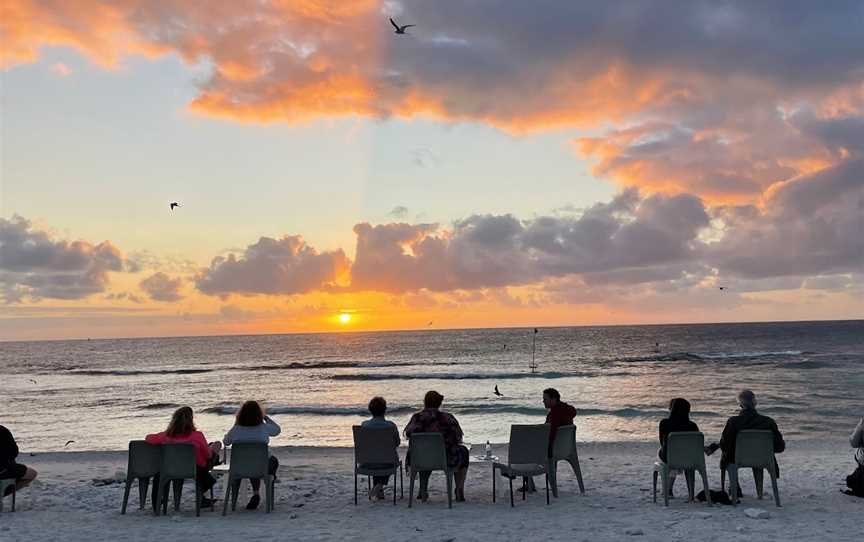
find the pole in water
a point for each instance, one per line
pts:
(533, 365)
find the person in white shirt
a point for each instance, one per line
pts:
(252, 425)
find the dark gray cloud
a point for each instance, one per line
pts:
(485, 251)
(34, 265)
(272, 266)
(161, 287)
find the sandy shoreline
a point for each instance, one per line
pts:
(314, 502)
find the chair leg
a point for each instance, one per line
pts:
(547, 487)
(449, 476)
(664, 476)
(574, 462)
(722, 479)
(773, 475)
(125, 495)
(143, 486)
(394, 486)
(704, 474)
(552, 475)
(654, 486)
(369, 487)
(178, 491)
(401, 485)
(759, 478)
(15, 495)
(198, 496)
(511, 491)
(236, 494)
(355, 488)
(411, 487)
(227, 496)
(494, 488)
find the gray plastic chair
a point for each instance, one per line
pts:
(685, 450)
(375, 454)
(176, 465)
(249, 460)
(527, 455)
(428, 454)
(754, 449)
(564, 449)
(3, 485)
(142, 465)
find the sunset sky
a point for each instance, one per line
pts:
(504, 164)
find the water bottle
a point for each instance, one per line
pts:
(488, 449)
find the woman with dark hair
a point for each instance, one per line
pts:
(378, 408)
(433, 420)
(678, 420)
(181, 429)
(252, 425)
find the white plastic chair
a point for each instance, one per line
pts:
(564, 449)
(754, 449)
(527, 455)
(685, 451)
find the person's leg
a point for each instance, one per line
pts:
(424, 486)
(25, 480)
(205, 480)
(459, 477)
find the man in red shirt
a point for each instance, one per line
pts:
(560, 413)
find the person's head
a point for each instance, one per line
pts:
(679, 408)
(181, 423)
(377, 406)
(551, 397)
(746, 399)
(250, 414)
(432, 399)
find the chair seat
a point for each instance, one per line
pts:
(377, 470)
(520, 469)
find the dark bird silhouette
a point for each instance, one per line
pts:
(33, 381)
(68, 442)
(430, 324)
(498, 393)
(174, 204)
(535, 330)
(722, 287)
(400, 29)
(505, 347)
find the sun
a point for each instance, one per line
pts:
(344, 318)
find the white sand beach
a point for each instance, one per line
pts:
(314, 502)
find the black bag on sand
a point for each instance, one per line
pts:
(855, 482)
(717, 497)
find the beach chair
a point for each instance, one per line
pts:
(143, 464)
(564, 449)
(375, 455)
(8, 482)
(177, 464)
(249, 460)
(685, 450)
(527, 455)
(754, 449)
(427, 454)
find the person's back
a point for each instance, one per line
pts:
(378, 408)
(381, 421)
(678, 421)
(856, 440)
(747, 418)
(8, 448)
(252, 433)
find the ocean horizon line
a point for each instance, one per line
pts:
(427, 330)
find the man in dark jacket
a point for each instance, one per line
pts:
(748, 418)
(9, 468)
(560, 413)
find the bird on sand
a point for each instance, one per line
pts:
(498, 393)
(68, 442)
(174, 204)
(400, 29)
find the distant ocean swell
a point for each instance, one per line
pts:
(718, 356)
(474, 376)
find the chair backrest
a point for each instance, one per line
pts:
(178, 461)
(374, 445)
(143, 459)
(685, 450)
(565, 442)
(754, 448)
(427, 451)
(249, 460)
(529, 444)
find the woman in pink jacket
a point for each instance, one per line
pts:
(182, 429)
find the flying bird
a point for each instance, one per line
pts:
(430, 324)
(722, 287)
(498, 393)
(174, 204)
(33, 381)
(400, 29)
(68, 442)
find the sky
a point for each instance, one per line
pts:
(502, 164)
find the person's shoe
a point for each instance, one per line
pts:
(207, 503)
(253, 503)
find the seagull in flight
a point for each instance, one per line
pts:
(68, 442)
(722, 287)
(174, 204)
(400, 29)
(498, 393)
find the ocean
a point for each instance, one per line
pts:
(809, 376)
